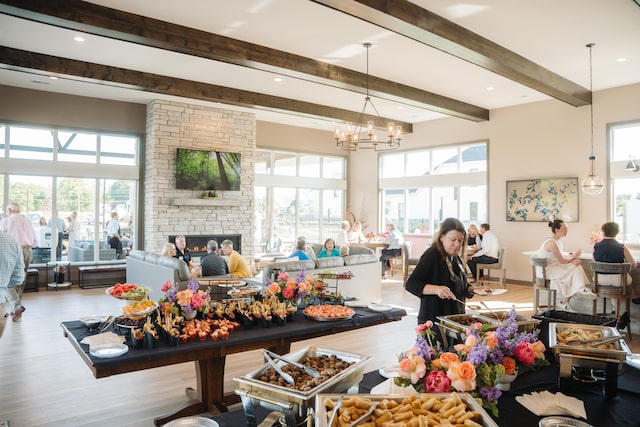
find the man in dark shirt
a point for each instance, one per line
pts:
(213, 264)
(182, 252)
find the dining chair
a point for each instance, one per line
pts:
(397, 263)
(541, 284)
(501, 266)
(408, 261)
(614, 292)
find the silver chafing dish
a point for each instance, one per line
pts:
(574, 356)
(456, 325)
(295, 404)
(525, 324)
(322, 416)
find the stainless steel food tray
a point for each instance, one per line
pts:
(620, 351)
(452, 321)
(322, 418)
(339, 383)
(525, 324)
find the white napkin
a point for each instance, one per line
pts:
(100, 339)
(389, 387)
(547, 403)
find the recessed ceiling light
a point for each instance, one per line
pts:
(78, 38)
(53, 77)
(277, 79)
(621, 59)
(490, 88)
(399, 107)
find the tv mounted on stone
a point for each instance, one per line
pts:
(207, 170)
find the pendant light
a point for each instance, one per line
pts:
(592, 185)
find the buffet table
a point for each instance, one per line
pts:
(623, 410)
(210, 356)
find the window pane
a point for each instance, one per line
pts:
(333, 167)
(77, 147)
(30, 143)
(3, 131)
(625, 141)
(444, 204)
(118, 150)
(261, 234)
(332, 206)
(117, 196)
(472, 204)
(310, 166)
(263, 162)
(393, 208)
(285, 164)
(474, 159)
(418, 163)
(626, 194)
(418, 210)
(445, 161)
(392, 165)
(309, 214)
(284, 227)
(33, 194)
(75, 205)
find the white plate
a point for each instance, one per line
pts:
(107, 351)
(193, 422)
(379, 307)
(493, 292)
(389, 371)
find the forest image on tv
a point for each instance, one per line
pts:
(207, 170)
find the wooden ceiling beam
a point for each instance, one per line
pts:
(119, 25)
(22, 60)
(410, 20)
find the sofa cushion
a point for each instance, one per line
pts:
(360, 250)
(151, 258)
(178, 265)
(317, 247)
(310, 251)
(332, 261)
(137, 254)
(360, 259)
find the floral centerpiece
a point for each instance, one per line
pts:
(475, 366)
(292, 289)
(187, 302)
(596, 236)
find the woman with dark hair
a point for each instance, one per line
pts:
(565, 273)
(329, 249)
(439, 279)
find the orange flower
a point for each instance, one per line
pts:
(492, 341)
(462, 375)
(539, 349)
(447, 358)
(509, 365)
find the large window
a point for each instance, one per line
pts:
(420, 188)
(67, 183)
(625, 184)
(297, 194)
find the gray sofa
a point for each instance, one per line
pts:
(82, 251)
(365, 285)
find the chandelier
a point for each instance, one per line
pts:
(362, 135)
(592, 184)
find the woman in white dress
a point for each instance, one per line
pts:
(565, 273)
(73, 228)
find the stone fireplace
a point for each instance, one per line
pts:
(197, 245)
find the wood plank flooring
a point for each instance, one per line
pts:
(43, 382)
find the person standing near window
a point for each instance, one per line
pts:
(18, 227)
(12, 272)
(114, 237)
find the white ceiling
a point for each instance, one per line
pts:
(551, 33)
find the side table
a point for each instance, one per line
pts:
(61, 275)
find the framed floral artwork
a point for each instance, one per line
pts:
(542, 200)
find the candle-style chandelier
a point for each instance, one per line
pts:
(362, 135)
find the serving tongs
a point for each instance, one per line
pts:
(309, 370)
(288, 378)
(365, 415)
(595, 341)
(106, 324)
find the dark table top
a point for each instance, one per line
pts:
(622, 410)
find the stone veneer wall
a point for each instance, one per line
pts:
(168, 211)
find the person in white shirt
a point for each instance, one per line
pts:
(356, 235)
(392, 247)
(488, 253)
(341, 238)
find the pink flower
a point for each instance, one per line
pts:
(525, 353)
(283, 276)
(423, 327)
(166, 286)
(462, 375)
(437, 382)
(288, 292)
(412, 367)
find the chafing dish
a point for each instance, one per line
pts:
(456, 325)
(574, 357)
(322, 417)
(525, 324)
(295, 404)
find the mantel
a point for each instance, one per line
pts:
(204, 202)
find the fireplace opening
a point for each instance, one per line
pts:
(197, 245)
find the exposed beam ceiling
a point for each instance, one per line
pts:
(412, 21)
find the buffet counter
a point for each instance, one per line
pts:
(623, 410)
(210, 356)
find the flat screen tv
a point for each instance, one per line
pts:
(207, 170)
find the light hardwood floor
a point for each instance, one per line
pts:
(43, 382)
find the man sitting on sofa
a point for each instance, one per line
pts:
(237, 265)
(213, 264)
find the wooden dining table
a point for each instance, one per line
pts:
(210, 356)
